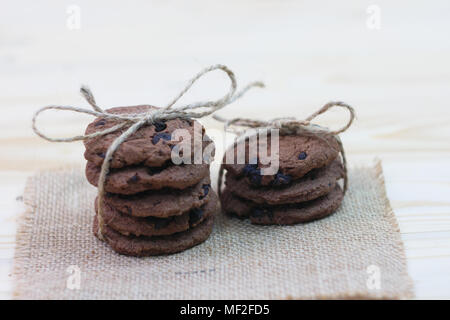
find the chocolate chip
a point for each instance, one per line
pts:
(302, 155)
(195, 215)
(134, 178)
(254, 174)
(101, 155)
(281, 179)
(161, 223)
(160, 126)
(312, 174)
(205, 188)
(159, 136)
(101, 122)
(261, 212)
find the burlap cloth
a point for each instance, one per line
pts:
(337, 257)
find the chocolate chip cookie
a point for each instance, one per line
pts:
(282, 214)
(135, 179)
(151, 226)
(159, 245)
(297, 156)
(161, 203)
(314, 184)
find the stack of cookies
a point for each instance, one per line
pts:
(152, 206)
(305, 187)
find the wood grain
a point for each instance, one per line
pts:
(308, 53)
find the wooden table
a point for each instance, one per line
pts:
(397, 77)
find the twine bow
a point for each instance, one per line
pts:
(290, 126)
(134, 121)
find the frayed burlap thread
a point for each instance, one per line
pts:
(329, 258)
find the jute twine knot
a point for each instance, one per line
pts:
(134, 121)
(289, 126)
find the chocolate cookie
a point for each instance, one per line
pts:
(152, 246)
(150, 146)
(131, 180)
(282, 214)
(314, 184)
(152, 226)
(161, 203)
(297, 156)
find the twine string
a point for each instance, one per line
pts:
(134, 121)
(289, 126)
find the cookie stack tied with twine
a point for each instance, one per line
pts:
(304, 188)
(147, 203)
